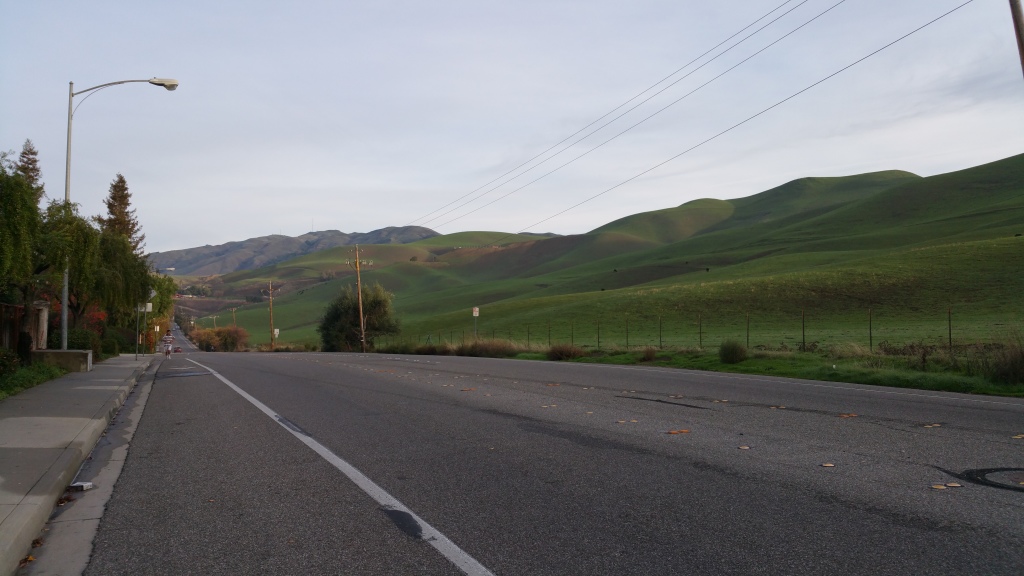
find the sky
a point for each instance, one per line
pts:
(355, 116)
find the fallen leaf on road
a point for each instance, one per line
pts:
(620, 421)
(744, 447)
(954, 485)
(828, 465)
(468, 389)
(847, 415)
(678, 432)
(1019, 436)
(938, 486)
(549, 385)
(25, 561)
(589, 412)
(632, 420)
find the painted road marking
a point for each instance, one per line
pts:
(392, 507)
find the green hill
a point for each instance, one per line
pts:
(907, 247)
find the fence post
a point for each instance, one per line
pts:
(803, 332)
(572, 332)
(599, 334)
(949, 324)
(700, 330)
(871, 336)
(661, 342)
(527, 336)
(627, 332)
(748, 330)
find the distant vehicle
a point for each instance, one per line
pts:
(177, 349)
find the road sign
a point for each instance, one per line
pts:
(277, 332)
(476, 311)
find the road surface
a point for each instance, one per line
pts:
(374, 464)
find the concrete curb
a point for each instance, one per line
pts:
(28, 519)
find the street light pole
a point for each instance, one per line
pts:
(169, 84)
(1018, 27)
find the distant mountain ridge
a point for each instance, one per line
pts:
(266, 250)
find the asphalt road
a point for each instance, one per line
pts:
(513, 467)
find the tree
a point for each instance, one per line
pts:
(122, 279)
(71, 241)
(339, 327)
(28, 168)
(19, 225)
(120, 216)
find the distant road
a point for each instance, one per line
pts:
(514, 467)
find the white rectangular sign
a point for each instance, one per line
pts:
(476, 311)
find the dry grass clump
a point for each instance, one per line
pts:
(649, 354)
(494, 348)
(443, 349)
(848, 350)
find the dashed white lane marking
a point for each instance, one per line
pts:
(429, 534)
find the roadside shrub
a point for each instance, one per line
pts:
(649, 354)
(565, 352)
(110, 347)
(78, 339)
(231, 339)
(27, 377)
(732, 352)
(1007, 363)
(8, 362)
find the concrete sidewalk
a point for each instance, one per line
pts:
(45, 434)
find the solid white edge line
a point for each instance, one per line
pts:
(431, 535)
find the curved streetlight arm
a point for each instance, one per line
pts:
(168, 83)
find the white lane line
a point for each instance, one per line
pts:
(431, 535)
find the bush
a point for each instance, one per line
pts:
(228, 339)
(565, 352)
(110, 347)
(27, 377)
(78, 339)
(732, 352)
(649, 354)
(1007, 363)
(8, 362)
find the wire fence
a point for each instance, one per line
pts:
(805, 331)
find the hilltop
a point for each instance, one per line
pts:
(266, 250)
(905, 246)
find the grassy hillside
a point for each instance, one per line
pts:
(817, 253)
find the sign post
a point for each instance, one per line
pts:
(476, 314)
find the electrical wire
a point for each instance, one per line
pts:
(659, 111)
(653, 86)
(741, 123)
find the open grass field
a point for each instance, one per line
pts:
(884, 257)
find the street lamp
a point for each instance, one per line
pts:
(167, 83)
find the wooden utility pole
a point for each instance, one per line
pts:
(1018, 28)
(359, 298)
(233, 323)
(270, 292)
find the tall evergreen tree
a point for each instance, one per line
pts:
(28, 167)
(121, 216)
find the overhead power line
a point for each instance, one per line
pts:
(613, 110)
(655, 113)
(741, 123)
